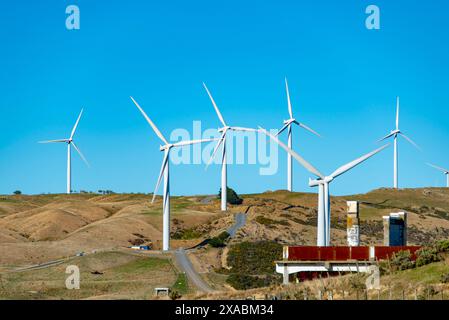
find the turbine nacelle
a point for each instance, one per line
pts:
(165, 147)
(317, 182)
(395, 132)
(290, 121)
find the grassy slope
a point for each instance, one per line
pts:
(123, 275)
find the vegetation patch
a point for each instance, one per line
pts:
(220, 240)
(186, 234)
(245, 282)
(181, 285)
(270, 222)
(231, 196)
(254, 258)
(402, 260)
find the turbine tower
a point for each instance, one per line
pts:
(322, 182)
(395, 133)
(445, 171)
(288, 125)
(70, 143)
(166, 148)
(222, 141)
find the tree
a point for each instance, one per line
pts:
(17, 192)
(232, 196)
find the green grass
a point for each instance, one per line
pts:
(181, 285)
(122, 274)
(142, 265)
(429, 274)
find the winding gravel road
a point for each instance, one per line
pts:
(240, 221)
(186, 266)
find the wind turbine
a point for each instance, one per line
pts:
(445, 171)
(322, 182)
(395, 133)
(166, 148)
(288, 125)
(70, 143)
(222, 141)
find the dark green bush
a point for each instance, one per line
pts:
(231, 196)
(245, 282)
(220, 240)
(174, 295)
(427, 255)
(254, 258)
(401, 260)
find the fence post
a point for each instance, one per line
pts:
(378, 294)
(416, 294)
(320, 295)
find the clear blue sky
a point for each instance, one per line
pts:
(343, 81)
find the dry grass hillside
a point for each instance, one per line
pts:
(35, 229)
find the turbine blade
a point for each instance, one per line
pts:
(155, 129)
(386, 137)
(356, 162)
(411, 141)
(221, 140)
(190, 142)
(303, 162)
(161, 173)
(81, 155)
(438, 168)
(243, 129)
(397, 113)
(215, 105)
(282, 129)
(309, 129)
(288, 99)
(76, 125)
(53, 141)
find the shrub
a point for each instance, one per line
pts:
(186, 234)
(426, 255)
(231, 196)
(270, 222)
(254, 258)
(220, 240)
(174, 295)
(245, 282)
(357, 282)
(444, 278)
(401, 260)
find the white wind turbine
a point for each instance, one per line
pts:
(70, 143)
(322, 182)
(445, 171)
(224, 130)
(395, 133)
(166, 148)
(288, 125)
